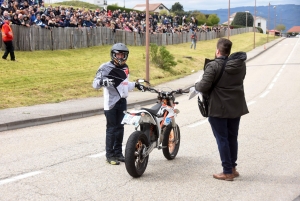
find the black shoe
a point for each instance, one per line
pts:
(113, 161)
(121, 158)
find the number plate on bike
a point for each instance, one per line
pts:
(131, 119)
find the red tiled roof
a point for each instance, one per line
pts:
(295, 29)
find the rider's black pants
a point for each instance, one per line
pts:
(114, 129)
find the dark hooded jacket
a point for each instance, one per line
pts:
(227, 99)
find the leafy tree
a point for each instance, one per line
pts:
(161, 57)
(240, 19)
(163, 12)
(213, 19)
(280, 27)
(199, 16)
(177, 7)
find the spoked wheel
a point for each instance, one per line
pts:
(135, 163)
(171, 142)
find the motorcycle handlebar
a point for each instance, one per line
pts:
(178, 91)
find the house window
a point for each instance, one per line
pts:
(259, 24)
(161, 7)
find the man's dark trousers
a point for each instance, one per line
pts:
(114, 128)
(226, 134)
(9, 50)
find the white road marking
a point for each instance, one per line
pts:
(198, 123)
(251, 103)
(271, 85)
(102, 154)
(264, 94)
(275, 79)
(97, 155)
(19, 177)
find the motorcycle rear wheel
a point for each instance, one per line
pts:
(170, 144)
(135, 163)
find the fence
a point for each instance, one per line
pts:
(37, 38)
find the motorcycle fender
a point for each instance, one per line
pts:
(147, 118)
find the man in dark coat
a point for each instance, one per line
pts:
(226, 103)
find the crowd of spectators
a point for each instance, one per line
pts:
(35, 13)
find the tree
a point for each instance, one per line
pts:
(177, 7)
(280, 27)
(213, 19)
(199, 16)
(240, 19)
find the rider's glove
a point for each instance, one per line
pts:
(139, 87)
(107, 82)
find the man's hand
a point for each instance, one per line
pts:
(140, 87)
(107, 82)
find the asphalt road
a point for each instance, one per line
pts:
(66, 160)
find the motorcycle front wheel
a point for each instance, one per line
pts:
(170, 142)
(135, 163)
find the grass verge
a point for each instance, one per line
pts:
(54, 76)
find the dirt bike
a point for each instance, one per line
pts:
(157, 129)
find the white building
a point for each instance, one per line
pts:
(262, 23)
(154, 7)
(259, 22)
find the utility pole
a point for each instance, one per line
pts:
(147, 41)
(268, 23)
(228, 29)
(254, 24)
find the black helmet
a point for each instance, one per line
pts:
(119, 48)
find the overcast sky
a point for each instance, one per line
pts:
(204, 4)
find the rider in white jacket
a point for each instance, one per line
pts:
(114, 77)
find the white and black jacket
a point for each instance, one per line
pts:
(120, 75)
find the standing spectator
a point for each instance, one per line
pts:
(114, 77)
(26, 21)
(15, 20)
(6, 16)
(87, 22)
(32, 17)
(184, 20)
(226, 103)
(194, 38)
(73, 22)
(7, 38)
(39, 22)
(4, 7)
